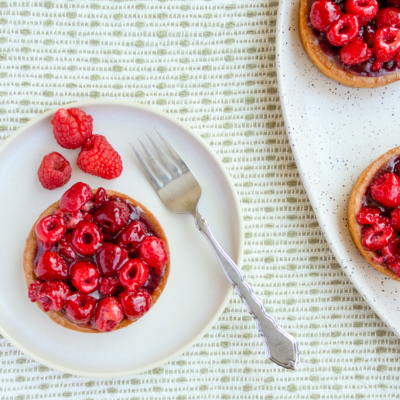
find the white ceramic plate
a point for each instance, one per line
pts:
(335, 133)
(197, 290)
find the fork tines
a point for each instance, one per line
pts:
(168, 163)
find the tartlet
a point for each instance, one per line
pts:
(31, 249)
(361, 197)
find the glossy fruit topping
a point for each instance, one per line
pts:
(108, 314)
(132, 235)
(394, 265)
(110, 259)
(109, 285)
(86, 238)
(74, 198)
(388, 17)
(378, 235)
(98, 157)
(100, 197)
(386, 190)
(71, 127)
(133, 274)
(365, 10)
(50, 229)
(135, 304)
(80, 308)
(323, 13)
(153, 252)
(33, 289)
(112, 216)
(54, 171)
(52, 295)
(369, 33)
(391, 251)
(395, 219)
(85, 276)
(71, 219)
(65, 249)
(386, 43)
(51, 267)
(355, 52)
(368, 215)
(344, 30)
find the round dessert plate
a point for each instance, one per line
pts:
(197, 290)
(335, 132)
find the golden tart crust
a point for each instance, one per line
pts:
(355, 204)
(30, 253)
(327, 66)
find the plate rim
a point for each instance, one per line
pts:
(300, 167)
(240, 249)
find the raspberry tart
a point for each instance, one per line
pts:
(355, 42)
(374, 214)
(96, 260)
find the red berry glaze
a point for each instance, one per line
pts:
(50, 229)
(71, 127)
(86, 238)
(365, 10)
(80, 308)
(85, 276)
(153, 252)
(388, 17)
(135, 304)
(98, 157)
(343, 30)
(386, 190)
(108, 314)
(112, 216)
(132, 235)
(355, 52)
(65, 249)
(368, 215)
(110, 259)
(100, 197)
(323, 13)
(54, 171)
(378, 235)
(51, 267)
(133, 274)
(109, 285)
(52, 295)
(75, 198)
(386, 43)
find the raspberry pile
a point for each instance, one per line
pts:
(380, 217)
(97, 261)
(366, 31)
(73, 129)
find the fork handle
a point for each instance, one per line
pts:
(280, 346)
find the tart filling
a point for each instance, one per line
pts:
(96, 261)
(374, 214)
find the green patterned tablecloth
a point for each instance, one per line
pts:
(212, 65)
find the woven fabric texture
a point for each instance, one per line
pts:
(212, 65)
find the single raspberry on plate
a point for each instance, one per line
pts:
(98, 157)
(71, 127)
(54, 171)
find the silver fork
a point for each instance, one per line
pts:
(181, 194)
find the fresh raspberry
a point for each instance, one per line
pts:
(343, 30)
(54, 171)
(98, 157)
(135, 304)
(50, 229)
(80, 308)
(386, 189)
(133, 274)
(368, 215)
(365, 10)
(153, 252)
(378, 235)
(108, 314)
(355, 52)
(323, 13)
(71, 127)
(388, 17)
(386, 43)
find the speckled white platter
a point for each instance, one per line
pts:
(335, 132)
(197, 290)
